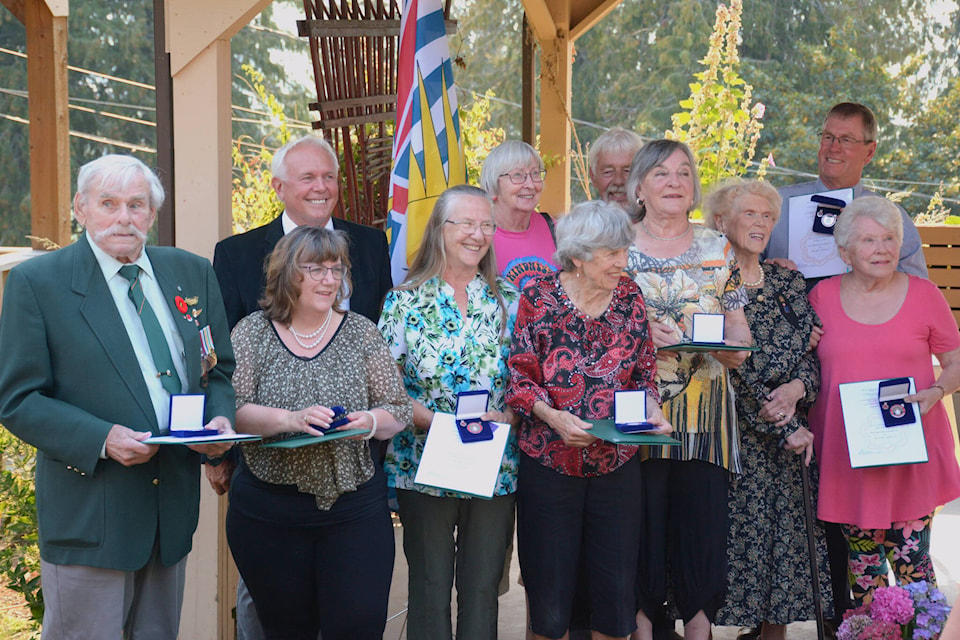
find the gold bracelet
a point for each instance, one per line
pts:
(943, 392)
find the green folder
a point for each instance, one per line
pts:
(607, 430)
(304, 440)
(692, 347)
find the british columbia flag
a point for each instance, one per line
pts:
(427, 152)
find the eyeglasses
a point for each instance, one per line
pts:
(519, 177)
(827, 139)
(318, 273)
(469, 227)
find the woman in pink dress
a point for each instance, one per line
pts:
(880, 324)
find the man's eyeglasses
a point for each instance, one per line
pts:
(318, 273)
(519, 177)
(469, 227)
(827, 139)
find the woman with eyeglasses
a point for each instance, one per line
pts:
(309, 527)
(449, 328)
(513, 176)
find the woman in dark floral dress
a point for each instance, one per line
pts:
(769, 585)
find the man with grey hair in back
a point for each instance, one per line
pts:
(848, 142)
(609, 161)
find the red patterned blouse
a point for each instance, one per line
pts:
(574, 362)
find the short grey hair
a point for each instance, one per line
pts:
(509, 155)
(615, 140)
(720, 202)
(589, 227)
(118, 171)
(652, 155)
(279, 166)
(880, 210)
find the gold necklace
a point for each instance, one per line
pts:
(655, 237)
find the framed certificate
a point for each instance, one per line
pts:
(870, 441)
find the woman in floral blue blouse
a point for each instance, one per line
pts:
(449, 327)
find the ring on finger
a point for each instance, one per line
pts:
(781, 415)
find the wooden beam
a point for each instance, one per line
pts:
(356, 28)
(166, 218)
(542, 21)
(16, 8)
(49, 123)
(580, 25)
(528, 92)
(555, 96)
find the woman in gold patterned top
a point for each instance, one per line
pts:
(309, 527)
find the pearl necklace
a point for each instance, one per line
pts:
(655, 237)
(758, 283)
(321, 332)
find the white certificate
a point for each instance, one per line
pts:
(448, 463)
(869, 441)
(816, 254)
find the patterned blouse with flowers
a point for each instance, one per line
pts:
(574, 362)
(695, 386)
(442, 353)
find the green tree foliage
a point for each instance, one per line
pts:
(801, 56)
(477, 135)
(718, 121)
(19, 555)
(115, 38)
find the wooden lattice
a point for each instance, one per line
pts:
(354, 44)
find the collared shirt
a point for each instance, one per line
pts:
(118, 286)
(289, 225)
(911, 260)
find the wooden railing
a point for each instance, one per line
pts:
(9, 258)
(941, 248)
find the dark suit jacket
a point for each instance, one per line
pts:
(239, 261)
(69, 373)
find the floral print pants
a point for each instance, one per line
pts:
(905, 545)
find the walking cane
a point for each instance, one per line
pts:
(812, 548)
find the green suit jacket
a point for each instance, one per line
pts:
(68, 373)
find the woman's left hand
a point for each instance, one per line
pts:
(358, 420)
(507, 416)
(800, 441)
(928, 398)
(656, 418)
(780, 405)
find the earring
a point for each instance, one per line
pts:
(641, 208)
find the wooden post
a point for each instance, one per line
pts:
(556, 59)
(49, 122)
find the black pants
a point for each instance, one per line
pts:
(309, 570)
(685, 524)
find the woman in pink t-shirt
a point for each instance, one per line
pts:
(513, 176)
(879, 324)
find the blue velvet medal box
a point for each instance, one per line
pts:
(470, 406)
(895, 410)
(186, 415)
(630, 411)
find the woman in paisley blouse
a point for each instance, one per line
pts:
(581, 335)
(684, 269)
(309, 527)
(449, 327)
(768, 581)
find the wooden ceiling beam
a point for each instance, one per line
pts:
(584, 15)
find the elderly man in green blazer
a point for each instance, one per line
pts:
(95, 337)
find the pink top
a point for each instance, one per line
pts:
(877, 497)
(524, 255)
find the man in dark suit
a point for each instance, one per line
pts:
(306, 178)
(95, 338)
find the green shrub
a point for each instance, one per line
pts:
(19, 553)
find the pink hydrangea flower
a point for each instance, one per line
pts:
(892, 604)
